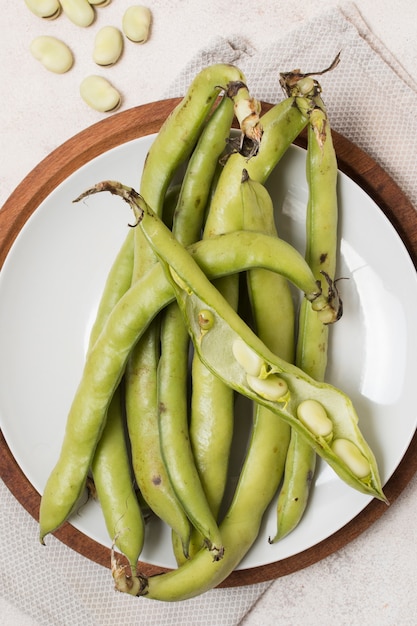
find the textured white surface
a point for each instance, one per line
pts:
(39, 110)
(371, 580)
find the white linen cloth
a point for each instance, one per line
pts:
(371, 101)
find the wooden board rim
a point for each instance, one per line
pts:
(144, 120)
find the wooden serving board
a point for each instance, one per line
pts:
(144, 120)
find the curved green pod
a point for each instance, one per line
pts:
(215, 349)
(114, 485)
(313, 336)
(195, 294)
(180, 131)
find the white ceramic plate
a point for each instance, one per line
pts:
(51, 283)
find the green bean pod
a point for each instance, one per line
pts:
(108, 460)
(173, 365)
(269, 292)
(177, 138)
(298, 477)
(103, 370)
(312, 343)
(176, 449)
(211, 424)
(218, 256)
(271, 304)
(217, 354)
(196, 185)
(212, 402)
(114, 486)
(142, 422)
(180, 131)
(258, 482)
(280, 126)
(110, 464)
(173, 145)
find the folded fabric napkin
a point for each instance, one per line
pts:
(56, 586)
(369, 96)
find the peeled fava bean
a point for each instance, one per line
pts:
(108, 46)
(48, 9)
(53, 53)
(136, 23)
(100, 94)
(80, 12)
(99, 3)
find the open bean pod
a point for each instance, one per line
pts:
(200, 301)
(279, 386)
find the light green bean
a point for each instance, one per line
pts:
(312, 344)
(173, 365)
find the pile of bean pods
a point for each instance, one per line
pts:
(177, 282)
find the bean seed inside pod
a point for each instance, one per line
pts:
(100, 94)
(272, 388)
(136, 23)
(205, 319)
(80, 12)
(108, 45)
(306, 84)
(53, 53)
(352, 456)
(48, 9)
(247, 358)
(314, 417)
